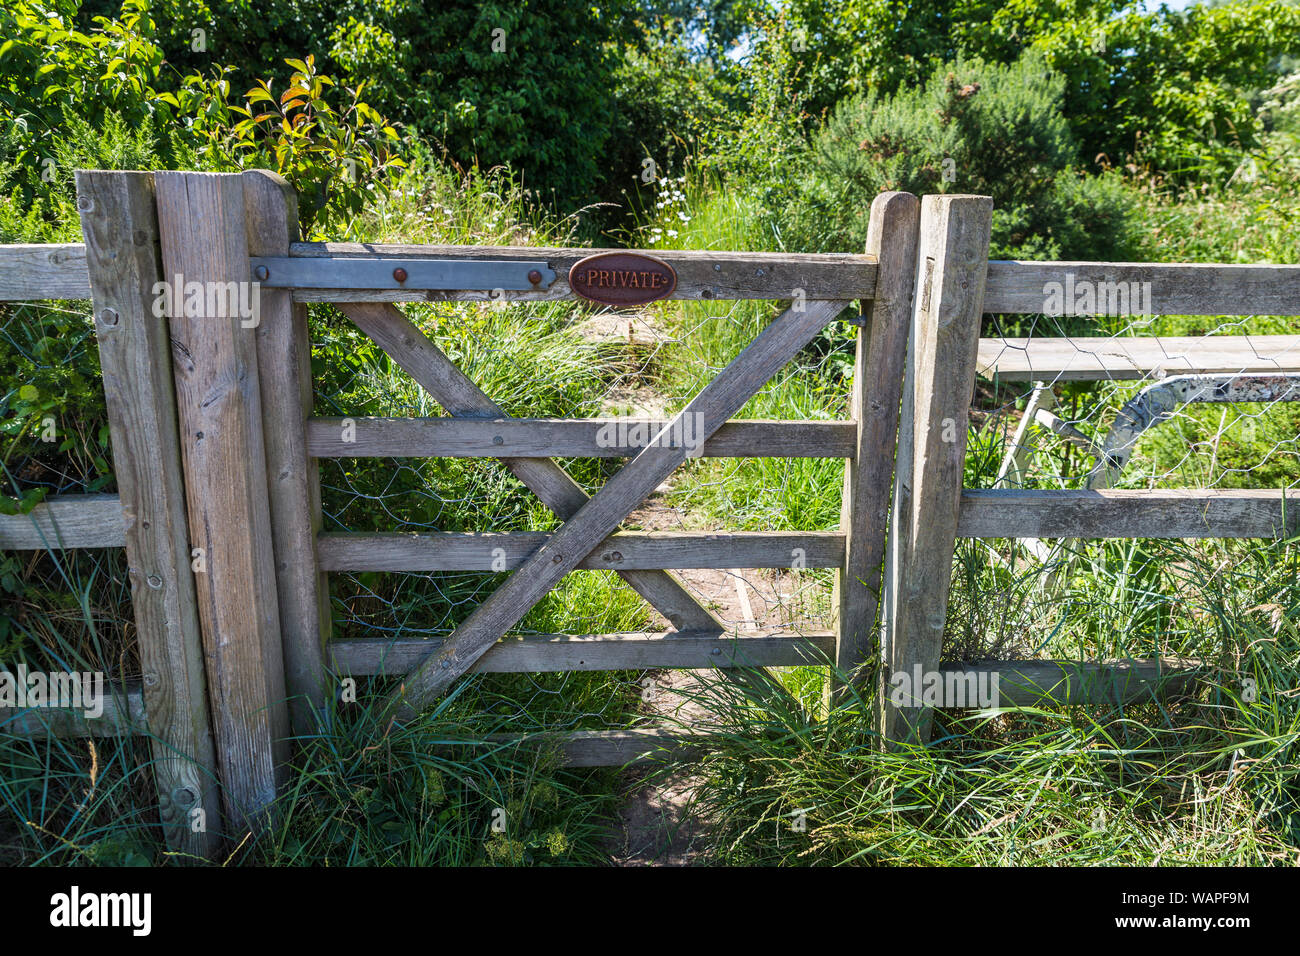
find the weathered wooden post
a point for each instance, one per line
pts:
(120, 226)
(202, 225)
(877, 387)
(949, 299)
(284, 372)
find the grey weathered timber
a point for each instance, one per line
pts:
(120, 226)
(954, 252)
(43, 271)
(1130, 513)
(879, 364)
(635, 551)
(1100, 358)
(716, 402)
(535, 653)
(700, 274)
(420, 274)
(1047, 683)
(124, 715)
(66, 521)
(1031, 683)
(606, 748)
(565, 438)
(450, 387)
(284, 376)
(1121, 288)
(201, 220)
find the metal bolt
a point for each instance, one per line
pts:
(556, 559)
(534, 277)
(498, 440)
(109, 316)
(716, 650)
(262, 273)
(399, 274)
(446, 664)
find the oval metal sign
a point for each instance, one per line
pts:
(622, 278)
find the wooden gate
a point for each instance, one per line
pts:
(215, 452)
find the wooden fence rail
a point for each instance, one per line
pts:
(218, 508)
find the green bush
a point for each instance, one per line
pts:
(974, 127)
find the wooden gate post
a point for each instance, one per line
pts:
(201, 222)
(284, 371)
(877, 388)
(949, 300)
(120, 226)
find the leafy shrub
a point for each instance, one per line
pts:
(327, 141)
(974, 127)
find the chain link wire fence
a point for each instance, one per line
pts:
(61, 608)
(1131, 402)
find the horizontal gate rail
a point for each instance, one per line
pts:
(123, 715)
(43, 271)
(58, 271)
(596, 652)
(565, 438)
(700, 275)
(1130, 513)
(626, 551)
(66, 521)
(1143, 288)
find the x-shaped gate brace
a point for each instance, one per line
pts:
(589, 520)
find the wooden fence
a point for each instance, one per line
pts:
(215, 451)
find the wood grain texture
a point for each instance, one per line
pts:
(1130, 513)
(879, 364)
(1113, 359)
(125, 714)
(452, 389)
(597, 519)
(43, 271)
(565, 438)
(538, 653)
(1042, 683)
(284, 377)
(700, 274)
(120, 226)
(954, 248)
(628, 550)
(1175, 288)
(201, 219)
(66, 521)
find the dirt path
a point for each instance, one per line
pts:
(656, 825)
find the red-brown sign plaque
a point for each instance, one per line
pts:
(622, 278)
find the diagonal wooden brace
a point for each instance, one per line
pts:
(410, 348)
(565, 549)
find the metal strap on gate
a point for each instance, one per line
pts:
(510, 275)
